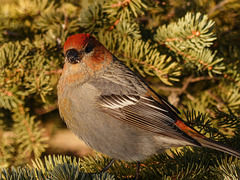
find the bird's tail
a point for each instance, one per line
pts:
(205, 142)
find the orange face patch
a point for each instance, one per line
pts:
(100, 58)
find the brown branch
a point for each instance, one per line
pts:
(218, 6)
(219, 101)
(155, 69)
(192, 98)
(167, 88)
(194, 34)
(190, 57)
(203, 78)
(11, 33)
(43, 110)
(114, 25)
(186, 84)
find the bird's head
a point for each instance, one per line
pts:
(84, 55)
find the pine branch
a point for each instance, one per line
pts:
(189, 38)
(148, 60)
(28, 135)
(125, 9)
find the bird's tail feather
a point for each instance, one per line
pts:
(205, 142)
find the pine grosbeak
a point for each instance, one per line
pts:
(114, 111)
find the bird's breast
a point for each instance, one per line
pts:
(76, 104)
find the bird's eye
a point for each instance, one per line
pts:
(89, 47)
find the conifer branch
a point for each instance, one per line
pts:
(203, 73)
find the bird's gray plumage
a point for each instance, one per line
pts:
(132, 130)
(108, 106)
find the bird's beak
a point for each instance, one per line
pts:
(73, 56)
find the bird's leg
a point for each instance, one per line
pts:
(137, 171)
(108, 165)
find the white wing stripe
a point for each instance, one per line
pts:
(119, 103)
(155, 107)
(147, 99)
(132, 98)
(122, 102)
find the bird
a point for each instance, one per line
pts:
(114, 111)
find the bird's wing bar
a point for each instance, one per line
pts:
(145, 113)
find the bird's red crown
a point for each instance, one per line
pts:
(76, 41)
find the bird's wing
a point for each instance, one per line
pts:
(146, 113)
